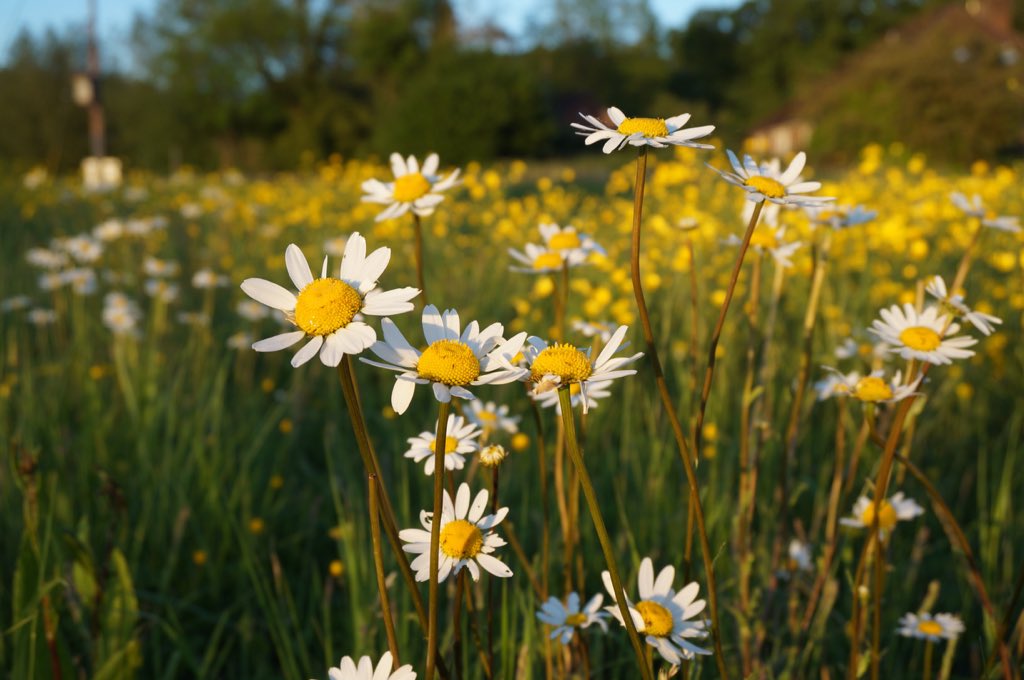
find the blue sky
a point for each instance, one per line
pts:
(115, 16)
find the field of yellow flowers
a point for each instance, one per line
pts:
(176, 504)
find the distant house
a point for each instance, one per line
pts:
(950, 78)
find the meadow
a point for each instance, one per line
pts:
(174, 504)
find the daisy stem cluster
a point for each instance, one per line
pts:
(443, 408)
(572, 446)
(378, 565)
(669, 406)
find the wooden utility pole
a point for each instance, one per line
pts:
(97, 124)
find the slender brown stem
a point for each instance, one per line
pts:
(443, 408)
(965, 260)
(490, 581)
(957, 538)
(669, 406)
(928, 648)
(716, 334)
(346, 377)
(378, 564)
(460, 587)
(876, 610)
(565, 400)
(1004, 624)
(420, 279)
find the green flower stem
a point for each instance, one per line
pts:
(666, 397)
(443, 409)
(378, 564)
(346, 377)
(716, 334)
(965, 260)
(928, 648)
(565, 401)
(417, 228)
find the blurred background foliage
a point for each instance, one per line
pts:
(275, 84)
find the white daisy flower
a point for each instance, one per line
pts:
(491, 417)
(768, 240)
(15, 303)
(466, 538)
(596, 391)
(892, 510)
(590, 329)
(81, 279)
(924, 336)
(566, 240)
(451, 362)
(45, 258)
(207, 278)
(460, 441)
(835, 383)
(250, 310)
(567, 618)
(847, 349)
(326, 309)
(974, 207)
(240, 340)
(799, 556)
(663, 615)
(83, 248)
(840, 216)
(931, 627)
(872, 388)
(415, 188)
(766, 182)
(348, 669)
(110, 230)
(154, 266)
(537, 259)
(985, 323)
(563, 364)
(656, 132)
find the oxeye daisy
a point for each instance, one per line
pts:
(563, 364)
(466, 538)
(954, 304)
(766, 182)
(567, 240)
(537, 259)
(924, 335)
(766, 239)
(931, 627)
(590, 329)
(873, 388)
(840, 216)
(415, 188)
(348, 669)
(451, 362)
(325, 309)
(662, 614)
(569, 617)
(835, 383)
(974, 207)
(491, 417)
(596, 391)
(656, 132)
(460, 441)
(892, 510)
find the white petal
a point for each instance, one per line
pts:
(278, 342)
(352, 260)
(645, 579)
(308, 351)
(442, 393)
(402, 393)
(493, 565)
(796, 166)
(298, 267)
(433, 328)
(269, 294)
(430, 165)
(398, 165)
(615, 115)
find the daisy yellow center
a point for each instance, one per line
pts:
(410, 187)
(764, 238)
(486, 417)
(929, 627)
(564, 240)
(325, 305)
(648, 127)
(450, 444)
(548, 260)
(920, 338)
(577, 619)
(872, 388)
(461, 540)
(657, 619)
(886, 516)
(450, 362)
(766, 186)
(563, 360)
